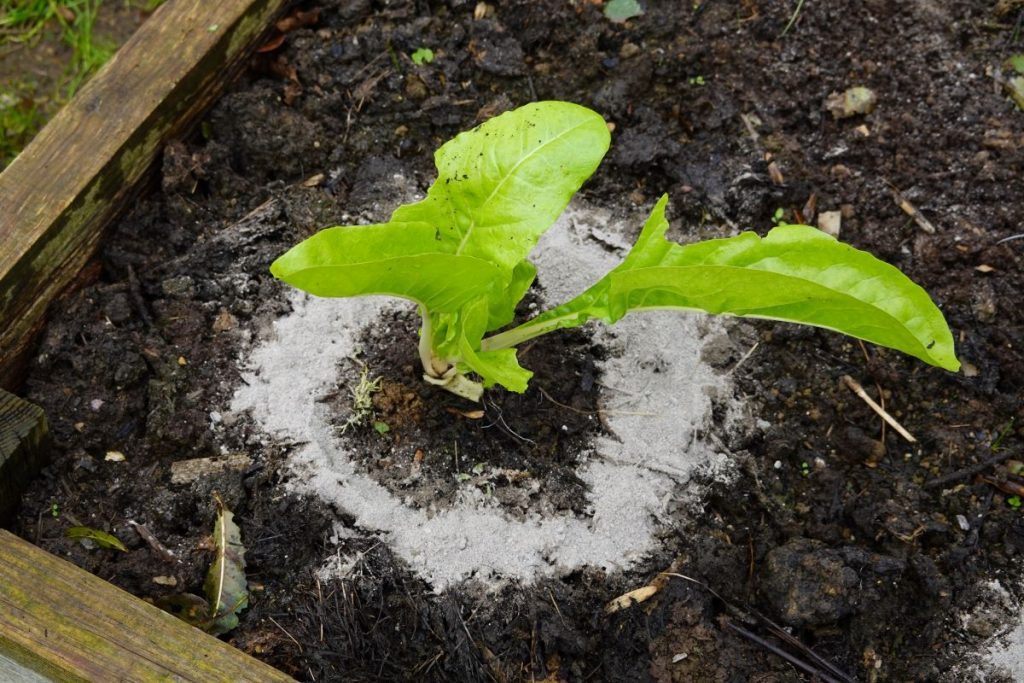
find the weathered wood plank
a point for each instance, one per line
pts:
(57, 195)
(23, 448)
(65, 623)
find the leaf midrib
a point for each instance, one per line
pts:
(501, 183)
(906, 325)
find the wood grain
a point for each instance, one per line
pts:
(24, 442)
(59, 193)
(64, 623)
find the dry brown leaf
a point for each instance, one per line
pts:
(470, 414)
(298, 19)
(272, 44)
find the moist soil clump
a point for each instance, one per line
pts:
(837, 535)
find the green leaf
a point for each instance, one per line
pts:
(407, 260)
(796, 274)
(503, 308)
(502, 184)
(423, 55)
(497, 367)
(100, 538)
(494, 367)
(226, 588)
(622, 10)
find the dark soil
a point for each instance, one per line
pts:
(424, 430)
(833, 528)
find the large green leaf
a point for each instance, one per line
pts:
(502, 184)
(401, 259)
(796, 273)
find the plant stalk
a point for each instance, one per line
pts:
(426, 346)
(524, 333)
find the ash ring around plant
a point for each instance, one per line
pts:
(658, 399)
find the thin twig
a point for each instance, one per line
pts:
(881, 396)
(285, 631)
(557, 611)
(599, 411)
(856, 388)
(792, 18)
(966, 472)
(743, 360)
(910, 209)
(786, 637)
(798, 663)
(841, 676)
(567, 407)
(500, 421)
(152, 540)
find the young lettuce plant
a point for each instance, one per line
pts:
(461, 255)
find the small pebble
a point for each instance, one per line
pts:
(629, 50)
(182, 287)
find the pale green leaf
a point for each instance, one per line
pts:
(407, 260)
(101, 538)
(494, 367)
(503, 308)
(796, 274)
(226, 588)
(502, 184)
(622, 10)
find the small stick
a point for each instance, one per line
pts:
(881, 396)
(968, 471)
(799, 663)
(911, 210)
(747, 355)
(859, 390)
(285, 631)
(152, 540)
(772, 626)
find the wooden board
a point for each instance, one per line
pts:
(24, 441)
(66, 624)
(59, 193)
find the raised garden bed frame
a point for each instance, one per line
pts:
(57, 621)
